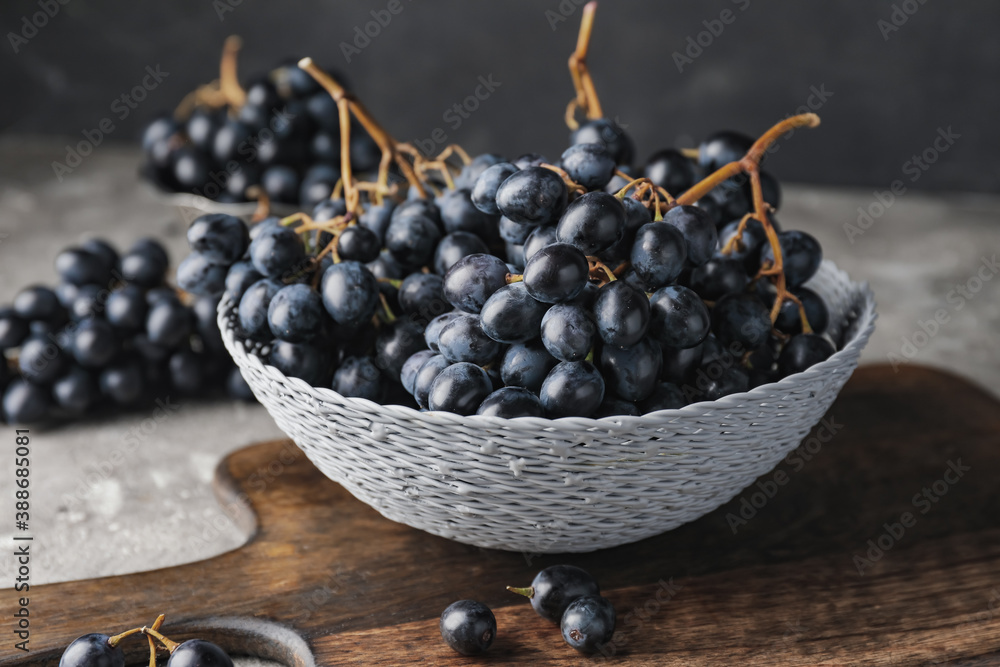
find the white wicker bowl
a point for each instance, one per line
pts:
(565, 485)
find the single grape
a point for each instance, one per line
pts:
(471, 172)
(422, 294)
(25, 402)
(718, 277)
(408, 374)
(94, 343)
(680, 364)
(801, 256)
(38, 303)
(665, 396)
(463, 339)
(568, 332)
(632, 372)
(92, 650)
(122, 382)
(514, 232)
(350, 293)
(168, 323)
(592, 223)
(722, 148)
(359, 243)
(747, 249)
(460, 388)
(412, 238)
(741, 319)
(732, 380)
(187, 370)
(219, 237)
(678, 317)
(468, 626)
(532, 196)
(803, 351)
(145, 264)
(588, 623)
(424, 379)
(454, 247)
(511, 315)
(358, 377)
(526, 365)
(13, 329)
(277, 252)
(82, 267)
(622, 314)
(41, 360)
(377, 217)
(608, 134)
(199, 653)
(556, 273)
(395, 344)
(699, 232)
(510, 403)
(459, 214)
(572, 389)
(555, 587)
(309, 362)
(590, 165)
(201, 275)
(126, 308)
(659, 253)
(671, 170)
(239, 278)
(484, 192)
(432, 333)
(254, 304)
(472, 280)
(296, 314)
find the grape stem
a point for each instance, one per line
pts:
(229, 83)
(152, 644)
(750, 164)
(263, 203)
(114, 641)
(514, 278)
(528, 592)
(169, 644)
(570, 183)
(599, 267)
(586, 94)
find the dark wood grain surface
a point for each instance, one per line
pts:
(783, 574)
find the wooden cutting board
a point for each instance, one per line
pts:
(876, 542)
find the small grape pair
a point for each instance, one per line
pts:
(100, 650)
(563, 594)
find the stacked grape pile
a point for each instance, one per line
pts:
(112, 334)
(280, 133)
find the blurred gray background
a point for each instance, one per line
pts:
(892, 72)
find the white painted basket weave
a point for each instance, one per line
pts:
(565, 485)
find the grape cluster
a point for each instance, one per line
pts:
(280, 134)
(101, 650)
(113, 333)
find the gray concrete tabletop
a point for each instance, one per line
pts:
(931, 260)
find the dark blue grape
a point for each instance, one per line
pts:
(613, 406)
(510, 403)
(803, 351)
(187, 371)
(665, 396)
(205, 311)
(555, 587)
(240, 277)
(659, 253)
(801, 256)
(468, 626)
(377, 218)
(190, 168)
(722, 148)
(199, 653)
(472, 171)
(680, 364)
(472, 280)
(309, 362)
(526, 365)
(459, 388)
(433, 331)
(742, 319)
(632, 372)
(592, 223)
(412, 238)
(122, 382)
(726, 381)
(395, 344)
(609, 134)
(538, 239)
(168, 323)
(295, 313)
(556, 273)
(94, 343)
(568, 332)
(636, 215)
(678, 317)
(201, 275)
(127, 308)
(699, 232)
(572, 389)
(408, 374)
(484, 192)
(530, 160)
(317, 185)
(13, 329)
(25, 402)
(145, 264)
(38, 303)
(621, 312)
(105, 251)
(279, 181)
(671, 170)
(511, 315)
(237, 387)
(590, 165)
(588, 623)
(514, 232)
(459, 214)
(359, 244)
(463, 339)
(219, 237)
(76, 391)
(358, 377)
(252, 311)
(82, 267)
(92, 651)
(532, 196)
(350, 293)
(424, 379)
(718, 277)
(454, 247)
(277, 252)
(41, 360)
(422, 294)
(89, 302)
(747, 249)
(515, 257)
